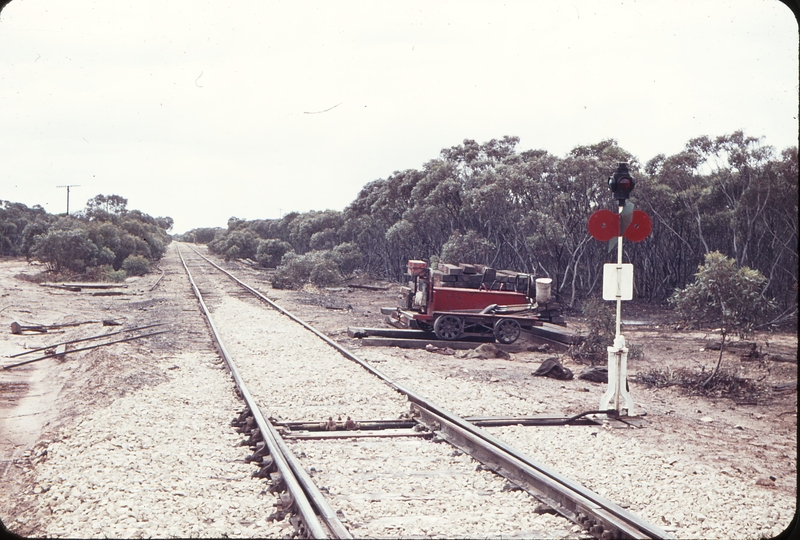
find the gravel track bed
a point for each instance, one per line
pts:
(461, 393)
(674, 491)
(385, 487)
(157, 463)
(422, 490)
(665, 486)
(294, 374)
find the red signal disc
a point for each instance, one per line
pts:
(604, 225)
(640, 227)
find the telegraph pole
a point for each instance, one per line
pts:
(68, 186)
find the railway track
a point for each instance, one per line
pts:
(256, 371)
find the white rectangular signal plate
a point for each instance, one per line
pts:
(618, 281)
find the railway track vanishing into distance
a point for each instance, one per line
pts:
(425, 421)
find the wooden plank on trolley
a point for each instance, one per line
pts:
(419, 343)
(356, 434)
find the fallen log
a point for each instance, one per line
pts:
(785, 387)
(70, 288)
(368, 287)
(87, 285)
(17, 328)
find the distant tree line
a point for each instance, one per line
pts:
(105, 240)
(528, 211)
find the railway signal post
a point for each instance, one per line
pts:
(605, 225)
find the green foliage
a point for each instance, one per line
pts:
(467, 248)
(103, 206)
(136, 265)
(240, 243)
(317, 267)
(19, 225)
(315, 230)
(270, 252)
(64, 250)
(325, 273)
(722, 295)
(116, 276)
(105, 272)
(203, 235)
(348, 257)
(293, 271)
(528, 211)
(106, 233)
(725, 296)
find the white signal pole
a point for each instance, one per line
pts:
(618, 285)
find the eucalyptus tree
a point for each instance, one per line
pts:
(725, 297)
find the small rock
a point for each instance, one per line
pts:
(487, 351)
(543, 509)
(706, 419)
(765, 481)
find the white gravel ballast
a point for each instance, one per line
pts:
(295, 374)
(671, 489)
(160, 462)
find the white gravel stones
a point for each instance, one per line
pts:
(675, 492)
(670, 491)
(298, 376)
(160, 462)
(468, 394)
(421, 490)
(384, 487)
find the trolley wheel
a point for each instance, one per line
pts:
(506, 331)
(448, 327)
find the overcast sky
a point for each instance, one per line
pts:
(206, 110)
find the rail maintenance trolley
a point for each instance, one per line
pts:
(465, 300)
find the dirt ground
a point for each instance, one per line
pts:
(38, 399)
(756, 438)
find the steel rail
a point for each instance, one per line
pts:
(100, 336)
(298, 483)
(572, 500)
(55, 354)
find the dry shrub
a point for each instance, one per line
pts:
(726, 384)
(601, 319)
